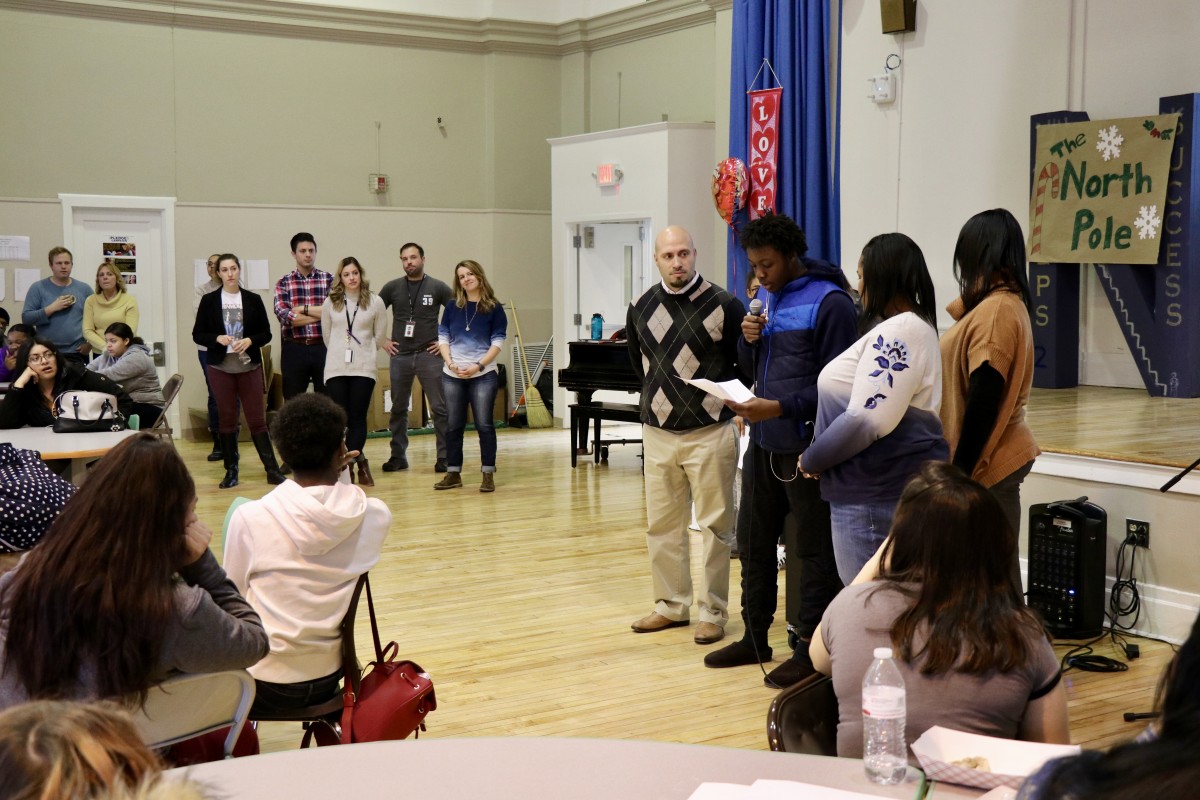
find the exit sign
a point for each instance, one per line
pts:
(608, 175)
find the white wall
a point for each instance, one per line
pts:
(956, 141)
(666, 167)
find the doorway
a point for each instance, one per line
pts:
(609, 272)
(137, 235)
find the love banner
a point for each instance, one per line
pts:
(764, 150)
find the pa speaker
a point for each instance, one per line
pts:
(899, 16)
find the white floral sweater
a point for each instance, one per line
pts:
(877, 413)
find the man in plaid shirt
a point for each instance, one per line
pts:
(298, 299)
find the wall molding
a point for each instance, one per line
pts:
(391, 28)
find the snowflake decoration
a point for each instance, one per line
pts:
(1148, 222)
(1110, 142)
(893, 358)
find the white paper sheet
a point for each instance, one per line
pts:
(256, 274)
(22, 280)
(201, 269)
(733, 390)
(2, 284)
(14, 248)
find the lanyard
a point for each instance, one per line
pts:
(350, 323)
(412, 298)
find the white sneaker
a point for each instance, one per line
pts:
(781, 556)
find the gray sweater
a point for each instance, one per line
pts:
(134, 370)
(214, 629)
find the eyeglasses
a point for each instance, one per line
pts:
(41, 358)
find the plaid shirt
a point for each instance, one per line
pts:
(292, 293)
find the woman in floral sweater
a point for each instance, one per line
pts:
(878, 402)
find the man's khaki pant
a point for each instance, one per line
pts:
(682, 469)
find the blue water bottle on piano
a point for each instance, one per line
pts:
(597, 326)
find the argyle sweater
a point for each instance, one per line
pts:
(691, 335)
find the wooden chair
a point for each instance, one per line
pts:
(330, 712)
(803, 718)
(191, 705)
(161, 426)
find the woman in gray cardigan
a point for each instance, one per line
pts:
(127, 362)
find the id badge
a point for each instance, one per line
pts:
(409, 328)
(349, 355)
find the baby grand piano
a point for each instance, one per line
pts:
(592, 366)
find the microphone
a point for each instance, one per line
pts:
(756, 307)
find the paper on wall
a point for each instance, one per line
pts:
(201, 268)
(2, 282)
(22, 280)
(256, 274)
(14, 248)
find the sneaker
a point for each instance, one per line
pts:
(738, 654)
(781, 556)
(439, 465)
(452, 480)
(395, 464)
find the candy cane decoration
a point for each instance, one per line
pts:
(1049, 174)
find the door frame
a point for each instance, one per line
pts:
(165, 208)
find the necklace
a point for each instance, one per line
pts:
(472, 317)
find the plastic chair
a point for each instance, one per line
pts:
(331, 710)
(193, 704)
(161, 427)
(803, 718)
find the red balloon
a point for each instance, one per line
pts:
(729, 187)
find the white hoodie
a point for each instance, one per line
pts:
(295, 555)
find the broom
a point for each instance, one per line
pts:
(535, 410)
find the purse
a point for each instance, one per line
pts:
(86, 412)
(393, 697)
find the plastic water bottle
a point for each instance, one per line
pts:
(597, 326)
(885, 753)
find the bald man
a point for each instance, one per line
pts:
(686, 327)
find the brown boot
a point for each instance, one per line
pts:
(489, 482)
(364, 474)
(451, 480)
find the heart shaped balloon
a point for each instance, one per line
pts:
(729, 188)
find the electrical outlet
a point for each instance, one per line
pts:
(1139, 530)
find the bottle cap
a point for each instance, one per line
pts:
(883, 652)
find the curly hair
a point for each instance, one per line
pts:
(774, 230)
(308, 430)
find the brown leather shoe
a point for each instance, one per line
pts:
(364, 474)
(451, 480)
(656, 622)
(709, 632)
(489, 482)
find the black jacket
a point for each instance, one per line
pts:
(24, 406)
(209, 324)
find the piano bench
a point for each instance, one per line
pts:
(581, 413)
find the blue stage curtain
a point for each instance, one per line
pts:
(794, 35)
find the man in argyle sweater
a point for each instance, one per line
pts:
(686, 327)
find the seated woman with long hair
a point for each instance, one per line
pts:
(122, 591)
(42, 375)
(1164, 762)
(974, 658)
(127, 361)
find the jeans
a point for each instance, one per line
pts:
(428, 367)
(277, 698)
(229, 388)
(299, 364)
(770, 490)
(480, 392)
(353, 394)
(858, 530)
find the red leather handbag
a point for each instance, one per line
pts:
(393, 698)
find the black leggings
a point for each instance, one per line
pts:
(353, 393)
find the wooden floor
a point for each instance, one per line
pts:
(519, 603)
(1118, 424)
